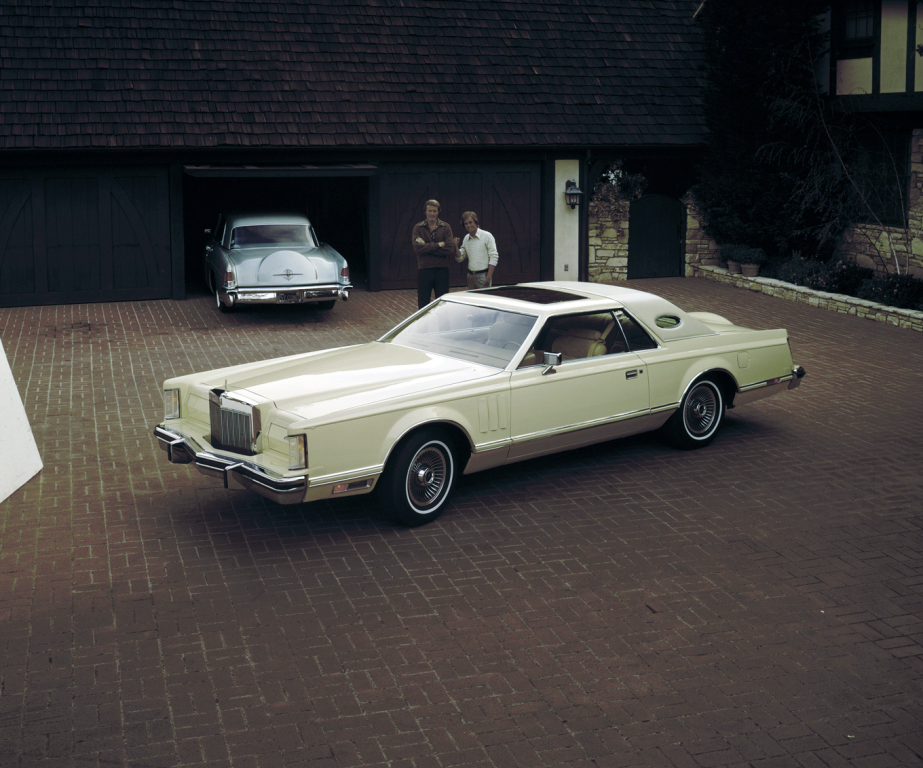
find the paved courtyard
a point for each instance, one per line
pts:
(756, 603)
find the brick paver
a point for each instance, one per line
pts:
(756, 603)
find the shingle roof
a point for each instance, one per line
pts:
(348, 73)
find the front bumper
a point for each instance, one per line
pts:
(296, 294)
(235, 474)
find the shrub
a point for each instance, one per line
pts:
(848, 278)
(743, 254)
(798, 271)
(903, 291)
(732, 252)
(843, 277)
(753, 256)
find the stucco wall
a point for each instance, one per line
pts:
(870, 246)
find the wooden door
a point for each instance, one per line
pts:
(656, 237)
(68, 237)
(506, 198)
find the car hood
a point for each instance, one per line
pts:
(286, 266)
(313, 387)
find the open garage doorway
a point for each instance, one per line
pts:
(338, 207)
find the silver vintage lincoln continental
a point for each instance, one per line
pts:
(272, 259)
(477, 379)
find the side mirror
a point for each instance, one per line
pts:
(550, 360)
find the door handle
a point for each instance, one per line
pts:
(633, 374)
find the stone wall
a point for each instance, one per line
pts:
(871, 245)
(832, 302)
(608, 257)
(700, 248)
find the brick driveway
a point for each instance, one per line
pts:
(755, 603)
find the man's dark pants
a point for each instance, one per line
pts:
(431, 279)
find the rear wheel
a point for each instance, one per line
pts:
(326, 304)
(699, 417)
(213, 287)
(221, 305)
(419, 478)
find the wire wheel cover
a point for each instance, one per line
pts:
(701, 411)
(427, 476)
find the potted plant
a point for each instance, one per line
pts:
(751, 261)
(731, 254)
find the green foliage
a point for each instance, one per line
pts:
(903, 291)
(765, 120)
(743, 254)
(838, 276)
(616, 185)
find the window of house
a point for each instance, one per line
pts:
(856, 29)
(860, 19)
(881, 169)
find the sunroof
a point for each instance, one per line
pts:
(531, 294)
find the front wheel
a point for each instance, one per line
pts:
(326, 305)
(699, 417)
(419, 478)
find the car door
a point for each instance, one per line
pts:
(596, 394)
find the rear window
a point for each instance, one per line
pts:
(272, 234)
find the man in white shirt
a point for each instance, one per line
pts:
(480, 248)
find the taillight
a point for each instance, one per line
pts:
(229, 280)
(344, 273)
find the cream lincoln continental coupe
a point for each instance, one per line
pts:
(475, 380)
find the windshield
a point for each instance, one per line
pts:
(272, 234)
(485, 336)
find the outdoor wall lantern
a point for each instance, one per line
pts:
(572, 194)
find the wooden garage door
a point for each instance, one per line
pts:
(68, 237)
(506, 198)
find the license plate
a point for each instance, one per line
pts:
(288, 298)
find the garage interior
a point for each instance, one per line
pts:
(338, 207)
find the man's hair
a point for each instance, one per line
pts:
(470, 215)
(435, 203)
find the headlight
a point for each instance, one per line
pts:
(171, 404)
(297, 451)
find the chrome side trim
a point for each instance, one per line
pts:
(667, 407)
(347, 477)
(578, 427)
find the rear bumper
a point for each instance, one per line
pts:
(234, 474)
(798, 373)
(295, 294)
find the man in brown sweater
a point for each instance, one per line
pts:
(433, 243)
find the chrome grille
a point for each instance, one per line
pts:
(231, 430)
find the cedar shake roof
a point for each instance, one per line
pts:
(348, 73)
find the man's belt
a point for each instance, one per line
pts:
(477, 271)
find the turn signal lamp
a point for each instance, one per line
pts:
(171, 404)
(297, 452)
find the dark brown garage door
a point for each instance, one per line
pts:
(68, 237)
(506, 198)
